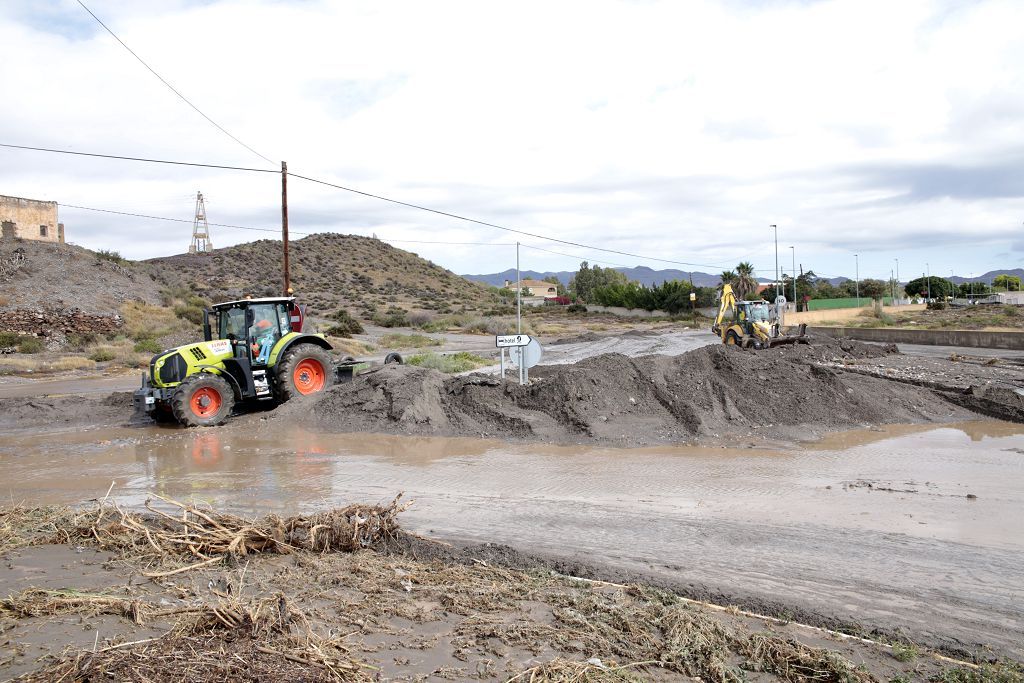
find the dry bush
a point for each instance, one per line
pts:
(11, 365)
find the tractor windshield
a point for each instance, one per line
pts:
(232, 323)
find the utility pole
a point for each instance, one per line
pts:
(776, 228)
(929, 280)
(519, 296)
(856, 286)
(284, 225)
(793, 249)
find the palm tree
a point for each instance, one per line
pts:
(745, 282)
(727, 277)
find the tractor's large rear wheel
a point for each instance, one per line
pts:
(306, 369)
(202, 400)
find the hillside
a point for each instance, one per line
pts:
(328, 271)
(45, 275)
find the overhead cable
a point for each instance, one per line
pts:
(495, 225)
(150, 161)
(172, 88)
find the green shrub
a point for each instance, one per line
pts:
(80, 341)
(936, 305)
(31, 345)
(147, 346)
(576, 308)
(9, 338)
(103, 354)
(345, 325)
(392, 317)
(193, 314)
(905, 652)
(462, 361)
(109, 255)
(408, 341)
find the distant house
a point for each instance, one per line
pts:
(534, 287)
(29, 219)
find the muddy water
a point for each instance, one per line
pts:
(876, 525)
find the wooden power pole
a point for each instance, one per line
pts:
(284, 225)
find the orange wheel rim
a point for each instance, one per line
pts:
(309, 376)
(205, 402)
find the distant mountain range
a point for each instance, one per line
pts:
(642, 274)
(649, 276)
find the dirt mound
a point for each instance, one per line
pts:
(711, 392)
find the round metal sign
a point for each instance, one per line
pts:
(530, 354)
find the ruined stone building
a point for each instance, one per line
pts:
(29, 219)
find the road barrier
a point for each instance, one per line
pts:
(1013, 341)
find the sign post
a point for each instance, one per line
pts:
(514, 342)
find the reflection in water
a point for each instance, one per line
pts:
(907, 479)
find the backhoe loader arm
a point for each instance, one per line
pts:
(727, 304)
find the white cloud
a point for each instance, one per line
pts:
(673, 129)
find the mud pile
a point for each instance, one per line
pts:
(699, 396)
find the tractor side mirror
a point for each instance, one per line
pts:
(207, 335)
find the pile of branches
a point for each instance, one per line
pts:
(265, 640)
(179, 531)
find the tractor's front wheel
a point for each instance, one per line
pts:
(305, 369)
(202, 400)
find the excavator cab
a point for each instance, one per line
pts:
(751, 324)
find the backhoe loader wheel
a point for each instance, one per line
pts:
(305, 369)
(731, 338)
(202, 400)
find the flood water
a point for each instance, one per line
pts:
(873, 523)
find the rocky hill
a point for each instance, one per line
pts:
(42, 275)
(328, 271)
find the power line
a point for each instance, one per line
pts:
(495, 225)
(373, 196)
(559, 253)
(151, 161)
(173, 89)
(177, 220)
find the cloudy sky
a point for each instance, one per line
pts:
(678, 130)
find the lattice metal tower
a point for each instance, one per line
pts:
(200, 229)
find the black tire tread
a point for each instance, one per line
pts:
(183, 394)
(285, 369)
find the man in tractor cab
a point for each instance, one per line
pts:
(263, 339)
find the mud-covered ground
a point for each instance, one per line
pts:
(714, 395)
(99, 594)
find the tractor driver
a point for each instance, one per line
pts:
(262, 341)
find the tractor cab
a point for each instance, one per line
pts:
(253, 326)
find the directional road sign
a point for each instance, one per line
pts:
(503, 341)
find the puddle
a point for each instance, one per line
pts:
(909, 479)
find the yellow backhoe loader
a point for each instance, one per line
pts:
(751, 324)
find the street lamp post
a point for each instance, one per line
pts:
(856, 261)
(776, 229)
(897, 281)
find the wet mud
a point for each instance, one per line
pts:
(795, 531)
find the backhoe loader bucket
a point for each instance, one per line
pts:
(799, 338)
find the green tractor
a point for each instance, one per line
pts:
(253, 350)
